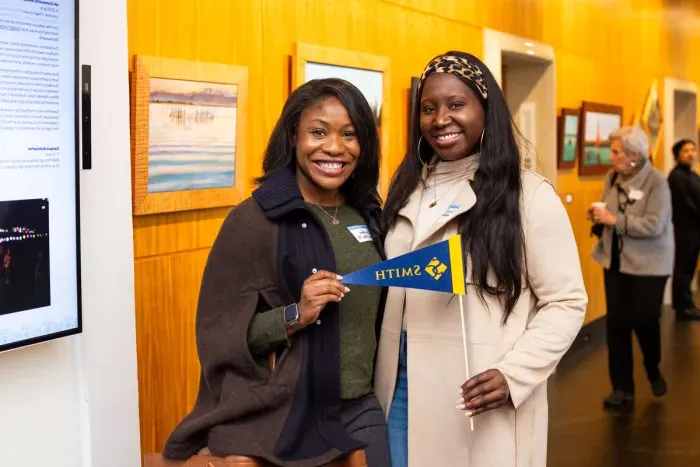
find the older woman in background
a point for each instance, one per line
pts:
(636, 249)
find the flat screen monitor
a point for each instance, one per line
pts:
(39, 172)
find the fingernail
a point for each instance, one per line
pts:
(342, 296)
(469, 414)
(340, 278)
(461, 400)
(347, 290)
(461, 392)
(461, 406)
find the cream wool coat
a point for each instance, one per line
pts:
(546, 319)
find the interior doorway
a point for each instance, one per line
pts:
(680, 120)
(525, 71)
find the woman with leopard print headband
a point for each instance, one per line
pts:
(525, 299)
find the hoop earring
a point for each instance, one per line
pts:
(481, 142)
(420, 139)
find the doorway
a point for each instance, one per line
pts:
(680, 115)
(525, 71)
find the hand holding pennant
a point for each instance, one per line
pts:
(439, 267)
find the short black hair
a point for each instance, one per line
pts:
(360, 190)
(678, 147)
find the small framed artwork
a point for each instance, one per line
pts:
(651, 120)
(370, 73)
(597, 122)
(412, 102)
(188, 124)
(567, 138)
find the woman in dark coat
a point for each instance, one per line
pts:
(272, 287)
(684, 183)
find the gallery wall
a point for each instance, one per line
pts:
(606, 51)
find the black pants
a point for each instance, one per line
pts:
(634, 303)
(364, 421)
(687, 250)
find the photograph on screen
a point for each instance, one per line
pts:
(24, 255)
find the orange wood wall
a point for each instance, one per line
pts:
(607, 51)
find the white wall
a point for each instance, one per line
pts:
(74, 402)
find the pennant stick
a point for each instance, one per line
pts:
(464, 341)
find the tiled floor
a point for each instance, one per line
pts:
(658, 432)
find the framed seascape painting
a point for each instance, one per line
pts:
(187, 127)
(597, 122)
(370, 73)
(567, 138)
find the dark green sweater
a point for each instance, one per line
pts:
(358, 310)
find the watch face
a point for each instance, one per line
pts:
(291, 314)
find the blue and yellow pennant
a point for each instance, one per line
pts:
(438, 267)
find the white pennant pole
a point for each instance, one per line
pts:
(464, 341)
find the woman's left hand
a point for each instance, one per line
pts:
(485, 391)
(603, 216)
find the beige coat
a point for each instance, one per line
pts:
(542, 328)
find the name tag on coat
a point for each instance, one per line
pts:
(636, 195)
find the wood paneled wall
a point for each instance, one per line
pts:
(607, 51)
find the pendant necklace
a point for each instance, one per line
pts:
(334, 217)
(436, 200)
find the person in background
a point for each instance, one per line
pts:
(525, 300)
(271, 287)
(636, 250)
(684, 183)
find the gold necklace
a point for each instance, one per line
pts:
(435, 198)
(334, 217)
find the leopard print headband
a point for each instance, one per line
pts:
(460, 67)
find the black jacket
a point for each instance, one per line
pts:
(265, 250)
(685, 197)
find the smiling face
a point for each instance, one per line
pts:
(327, 150)
(451, 117)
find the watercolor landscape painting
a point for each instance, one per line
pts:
(192, 135)
(598, 127)
(570, 138)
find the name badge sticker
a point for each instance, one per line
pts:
(448, 212)
(361, 233)
(636, 195)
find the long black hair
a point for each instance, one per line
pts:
(492, 231)
(360, 190)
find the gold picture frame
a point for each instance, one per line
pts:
(188, 125)
(330, 62)
(651, 121)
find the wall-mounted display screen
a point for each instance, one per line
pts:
(39, 172)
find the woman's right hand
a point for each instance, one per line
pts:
(318, 290)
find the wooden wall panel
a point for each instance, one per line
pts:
(606, 51)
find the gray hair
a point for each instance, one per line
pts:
(634, 141)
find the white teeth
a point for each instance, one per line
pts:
(331, 165)
(447, 137)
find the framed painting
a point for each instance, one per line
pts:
(567, 137)
(370, 73)
(651, 120)
(188, 123)
(597, 122)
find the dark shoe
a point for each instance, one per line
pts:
(619, 399)
(688, 314)
(659, 387)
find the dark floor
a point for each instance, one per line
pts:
(658, 432)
